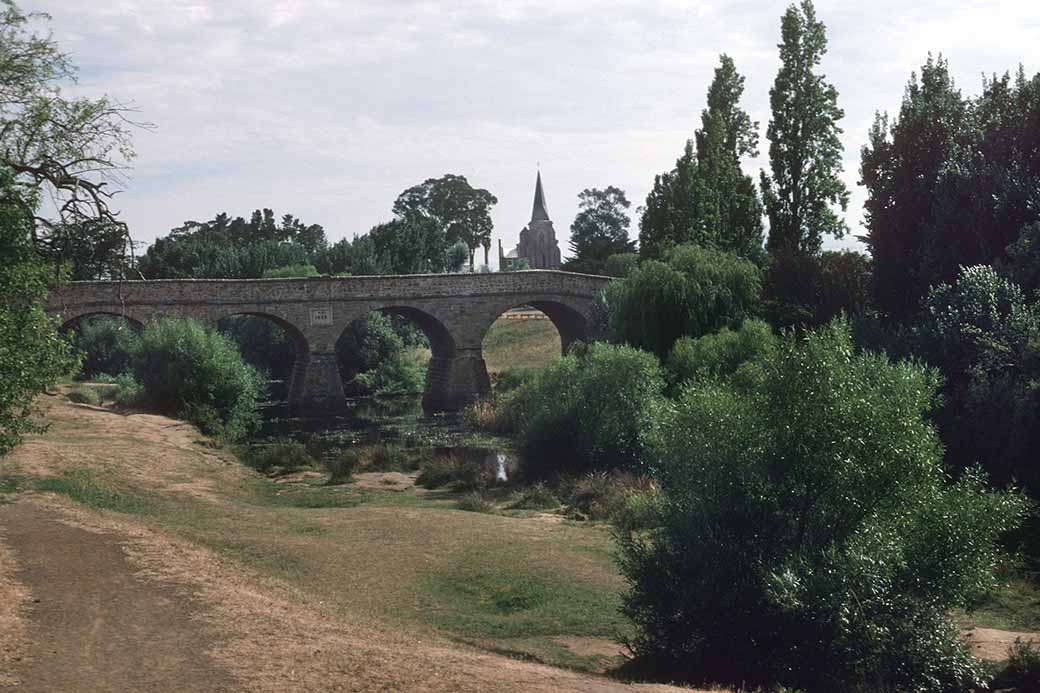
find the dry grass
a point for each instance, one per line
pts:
(313, 597)
(520, 344)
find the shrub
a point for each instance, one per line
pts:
(809, 535)
(598, 496)
(341, 466)
(262, 343)
(537, 496)
(590, 411)
(195, 372)
(719, 354)
(84, 394)
(107, 344)
(388, 457)
(1022, 671)
(449, 469)
(376, 348)
(811, 290)
(512, 379)
(438, 471)
(476, 502)
(128, 391)
(985, 337)
(398, 375)
(284, 456)
(695, 292)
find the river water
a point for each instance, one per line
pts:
(393, 421)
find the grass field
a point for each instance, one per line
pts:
(530, 585)
(520, 344)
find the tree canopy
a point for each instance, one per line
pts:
(462, 211)
(600, 229)
(233, 248)
(951, 181)
(706, 199)
(805, 149)
(69, 151)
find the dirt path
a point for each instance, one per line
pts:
(124, 605)
(91, 624)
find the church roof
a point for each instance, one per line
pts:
(539, 213)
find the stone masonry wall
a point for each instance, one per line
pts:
(455, 311)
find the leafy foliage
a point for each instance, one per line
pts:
(195, 372)
(600, 229)
(461, 211)
(805, 147)
(985, 337)
(32, 354)
(706, 199)
(106, 343)
(70, 151)
(951, 181)
(811, 290)
(233, 248)
(695, 292)
(721, 354)
(810, 536)
(373, 352)
(590, 410)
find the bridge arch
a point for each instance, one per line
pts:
(454, 310)
(71, 323)
(229, 323)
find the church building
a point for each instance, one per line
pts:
(537, 240)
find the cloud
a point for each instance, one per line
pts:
(329, 109)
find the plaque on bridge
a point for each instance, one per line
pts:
(321, 316)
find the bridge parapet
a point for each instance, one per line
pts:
(454, 310)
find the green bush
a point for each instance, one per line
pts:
(188, 370)
(84, 394)
(695, 292)
(128, 391)
(263, 344)
(446, 469)
(341, 466)
(984, 336)
(398, 375)
(537, 496)
(591, 410)
(374, 354)
(810, 536)
(438, 471)
(283, 456)
(598, 496)
(719, 354)
(476, 502)
(107, 344)
(389, 457)
(1022, 671)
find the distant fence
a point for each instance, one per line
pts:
(524, 313)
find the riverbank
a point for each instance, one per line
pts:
(291, 585)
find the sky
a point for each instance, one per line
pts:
(328, 110)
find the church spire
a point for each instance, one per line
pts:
(539, 213)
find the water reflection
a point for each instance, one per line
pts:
(396, 421)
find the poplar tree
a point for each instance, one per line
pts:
(707, 199)
(804, 145)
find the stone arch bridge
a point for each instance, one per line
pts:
(453, 310)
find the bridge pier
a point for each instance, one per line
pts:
(453, 382)
(315, 386)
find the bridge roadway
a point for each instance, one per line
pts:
(453, 310)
